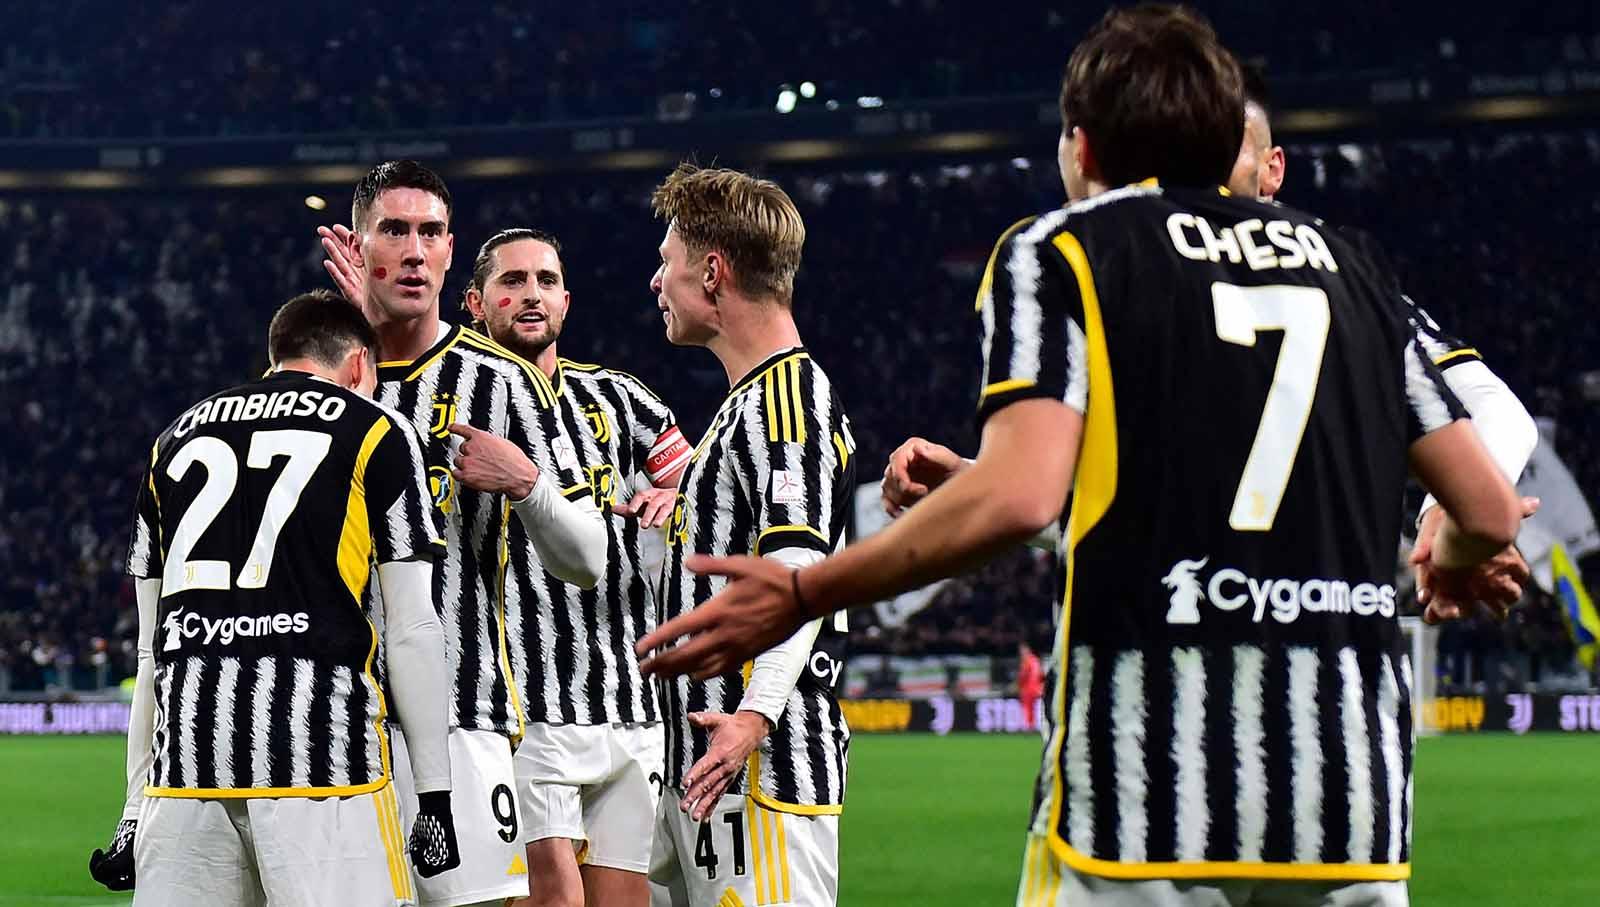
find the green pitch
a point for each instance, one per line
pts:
(937, 821)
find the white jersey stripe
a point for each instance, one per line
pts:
(1250, 775)
(300, 725)
(222, 729)
(1128, 742)
(1080, 818)
(1188, 752)
(1358, 757)
(1389, 737)
(1306, 758)
(261, 721)
(188, 708)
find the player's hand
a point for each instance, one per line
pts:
(113, 868)
(754, 612)
(652, 507)
(733, 738)
(915, 469)
(339, 264)
(433, 835)
(488, 462)
(1497, 583)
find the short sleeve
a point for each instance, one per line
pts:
(144, 548)
(1431, 405)
(802, 454)
(400, 503)
(1031, 317)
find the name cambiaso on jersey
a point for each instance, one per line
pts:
(1234, 698)
(626, 438)
(262, 513)
(468, 378)
(775, 470)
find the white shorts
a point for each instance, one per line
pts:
(289, 850)
(593, 783)
(483, 803)
(1048, 882)
(743, 855)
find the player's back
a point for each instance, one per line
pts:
(256, 517)
(1249, 390)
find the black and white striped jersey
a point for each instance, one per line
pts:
(626, 438)
(775, 470)
(1234, 698)
(468, 378)
(262, 513)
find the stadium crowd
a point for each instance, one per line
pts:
(118, 310)
(159, 68)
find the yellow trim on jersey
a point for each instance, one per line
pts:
(392, 363)
(500, 626)
(756, 546)
(844, 450)
(1457, 354)
(730, 898)
(355, 540)
(1010, 384)
(1094, 489)
(269, 793)
(437, 355)
(773, 432)
(783, 857)
(986, 283)
(770, 896)
(785, 403)
(546, 393)
(796, 809)
(393, 843)
(751, 379)
(758, 866)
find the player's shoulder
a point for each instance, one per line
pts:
(598, 375)
(486, 353)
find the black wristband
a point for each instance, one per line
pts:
(434, 802)
(799, 600)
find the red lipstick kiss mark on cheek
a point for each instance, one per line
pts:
(504, 301)
(380, 273)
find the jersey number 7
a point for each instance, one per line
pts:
(305, 450)
(1301, 313)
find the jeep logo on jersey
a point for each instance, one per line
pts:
(442, 486)
(444, 415)
(1230, 590)
(180, 625)
(599, 422)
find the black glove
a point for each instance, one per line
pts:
(114, 869)
(433, 836)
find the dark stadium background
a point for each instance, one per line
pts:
(164, 166)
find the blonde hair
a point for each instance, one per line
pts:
(752, 222)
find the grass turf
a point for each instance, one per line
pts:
(1501, 820)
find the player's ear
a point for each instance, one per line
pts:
(1273, 174)
(356, 257)
(473, 303)
(715, 273)
(1083, 159)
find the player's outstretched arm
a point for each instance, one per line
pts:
(1482, 511)
(414, 647)
(975, 515)
(113, 867)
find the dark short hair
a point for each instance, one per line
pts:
(1255, 87)
(319, 326)
(1158, 95)
(483, 264)
(394, 175)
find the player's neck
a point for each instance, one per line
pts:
(546, 361)
(750, 334)
(310, 367)
(404, 341)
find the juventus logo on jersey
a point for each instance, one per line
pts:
(444, 415)
(599, 422)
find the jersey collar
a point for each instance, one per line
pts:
(766, 364)
(411, 369)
